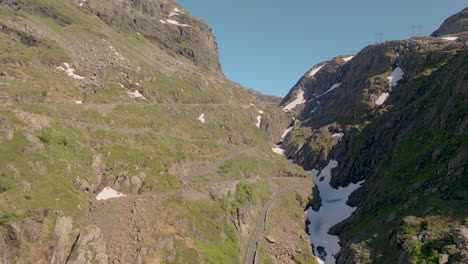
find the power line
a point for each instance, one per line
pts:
(416, 30)
(378, 37)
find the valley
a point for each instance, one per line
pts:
(122, 141)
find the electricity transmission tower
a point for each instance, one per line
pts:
(416, 30)
(378, 37)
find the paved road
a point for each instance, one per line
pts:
(213, 165)
(252, 250)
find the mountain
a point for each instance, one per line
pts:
(453, 25)
(391, 122)
(105, 51)
(121, 141)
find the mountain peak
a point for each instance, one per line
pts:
(455, 24)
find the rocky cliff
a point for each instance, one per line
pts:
(102, 51)
(394, 115)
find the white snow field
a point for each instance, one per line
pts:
(449, 38)
(175, 12)
(82, 3)
(175, 22)
(136, 95)
(382, 98)
(340, 135)
(170, 20)
(78, 102)
(202, 118)
(259, 118)
(299, 100)
(108, 193)
(395, 76)
(332, 211)
(315, 70)
(348, 58)
(277, 148)
(336, 85)
(70, 72)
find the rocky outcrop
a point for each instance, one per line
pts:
(455, 24)
(63, 240)
(274, 122)
(266, 99)
(163, 22)
(89, 248)
(125, 182)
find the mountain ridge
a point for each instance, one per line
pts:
(392, 115)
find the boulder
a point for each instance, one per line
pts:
(443, 258)
(459, 235)
(89, 248)
(270, 239)
(62, 230)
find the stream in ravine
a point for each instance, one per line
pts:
(332, 211)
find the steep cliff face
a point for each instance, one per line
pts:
(344, 95)
(109, 51)
(164, 23)
(393, 115)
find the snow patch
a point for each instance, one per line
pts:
(450, 38)
(78, 102)
(340, 135)
(315, 70)
(299, 100)
(202, 118)
(136, 95)
(176, 12)
(278, 150)
(170, 20)
(108, 193)
(395, 76)
(175, 22)
(333, 210)
(336, 85)
(382, 98)
(348, 58)
(259, 120)
(82, 3)
(120, 85)
(286, 132)
(70, 72)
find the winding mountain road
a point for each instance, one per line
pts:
(252, 250)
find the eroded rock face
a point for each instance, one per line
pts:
(62, 231)
(89, 248)
(157, 21)
(9, 244)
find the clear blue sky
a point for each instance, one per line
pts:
(269, 44)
